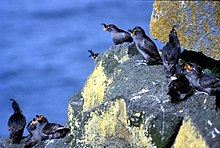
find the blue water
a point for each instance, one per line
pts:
(43, 50)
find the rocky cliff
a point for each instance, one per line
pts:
(198, 24)
(124, 105)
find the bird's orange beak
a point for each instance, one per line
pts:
(188, 67)
(39, 118)
(133, 33)
(34, 123)
(105, 28)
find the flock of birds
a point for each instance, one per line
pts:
(44, 131)
(188, 76)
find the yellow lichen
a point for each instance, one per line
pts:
(188, 136)
(95, 87)
(70, 117)
(218, 47)
(111, 123)
(121, 60)
(194, 24)
(138, 135)
(217, 16)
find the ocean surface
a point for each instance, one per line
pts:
(43, 50)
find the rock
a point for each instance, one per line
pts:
(197, 22)
(123, 105)
(199, 129)
(65, 142)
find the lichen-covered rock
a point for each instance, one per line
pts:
(198, 24)
(124, 105)
(199, 129)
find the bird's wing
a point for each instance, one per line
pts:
(170, 54)
(150, 48)
(91, 52)
(16, 123)
(207, 80)
(51, 128)
(122, 37)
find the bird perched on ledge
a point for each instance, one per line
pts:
(118, 36)
(180, 89)
(16, 123)
(34, 134)
(51, 130)
(202, 81)
(171, 53)
(146, 46)
(92, 54)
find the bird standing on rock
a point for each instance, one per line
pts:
(92, 54)
(146, 46)
(34, 134)
(16, 123)
(51, 130)
(171, 53)
(118, 36)
(179, 89)
(204, 82)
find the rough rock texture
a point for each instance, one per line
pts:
(66, 142)
(123, 105)
(199, 129)
(198, 24)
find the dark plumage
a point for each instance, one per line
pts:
(34, 134)
(51, 130)
(16, 123)
(146, 46)
(118, 36)
(202, 81)
(180, 69)
(171, 53)
(179, 89)
(92, 54)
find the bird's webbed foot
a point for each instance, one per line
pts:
(140, 62)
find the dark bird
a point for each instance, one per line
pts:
(16, 123)
(171, 53)
(92, 54)
(146, 46)
(34, 134)
(51, 130)
(180, 89)
(202, 81)
(118, 36)
(180, 68)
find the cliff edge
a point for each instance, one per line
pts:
(124, 105)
